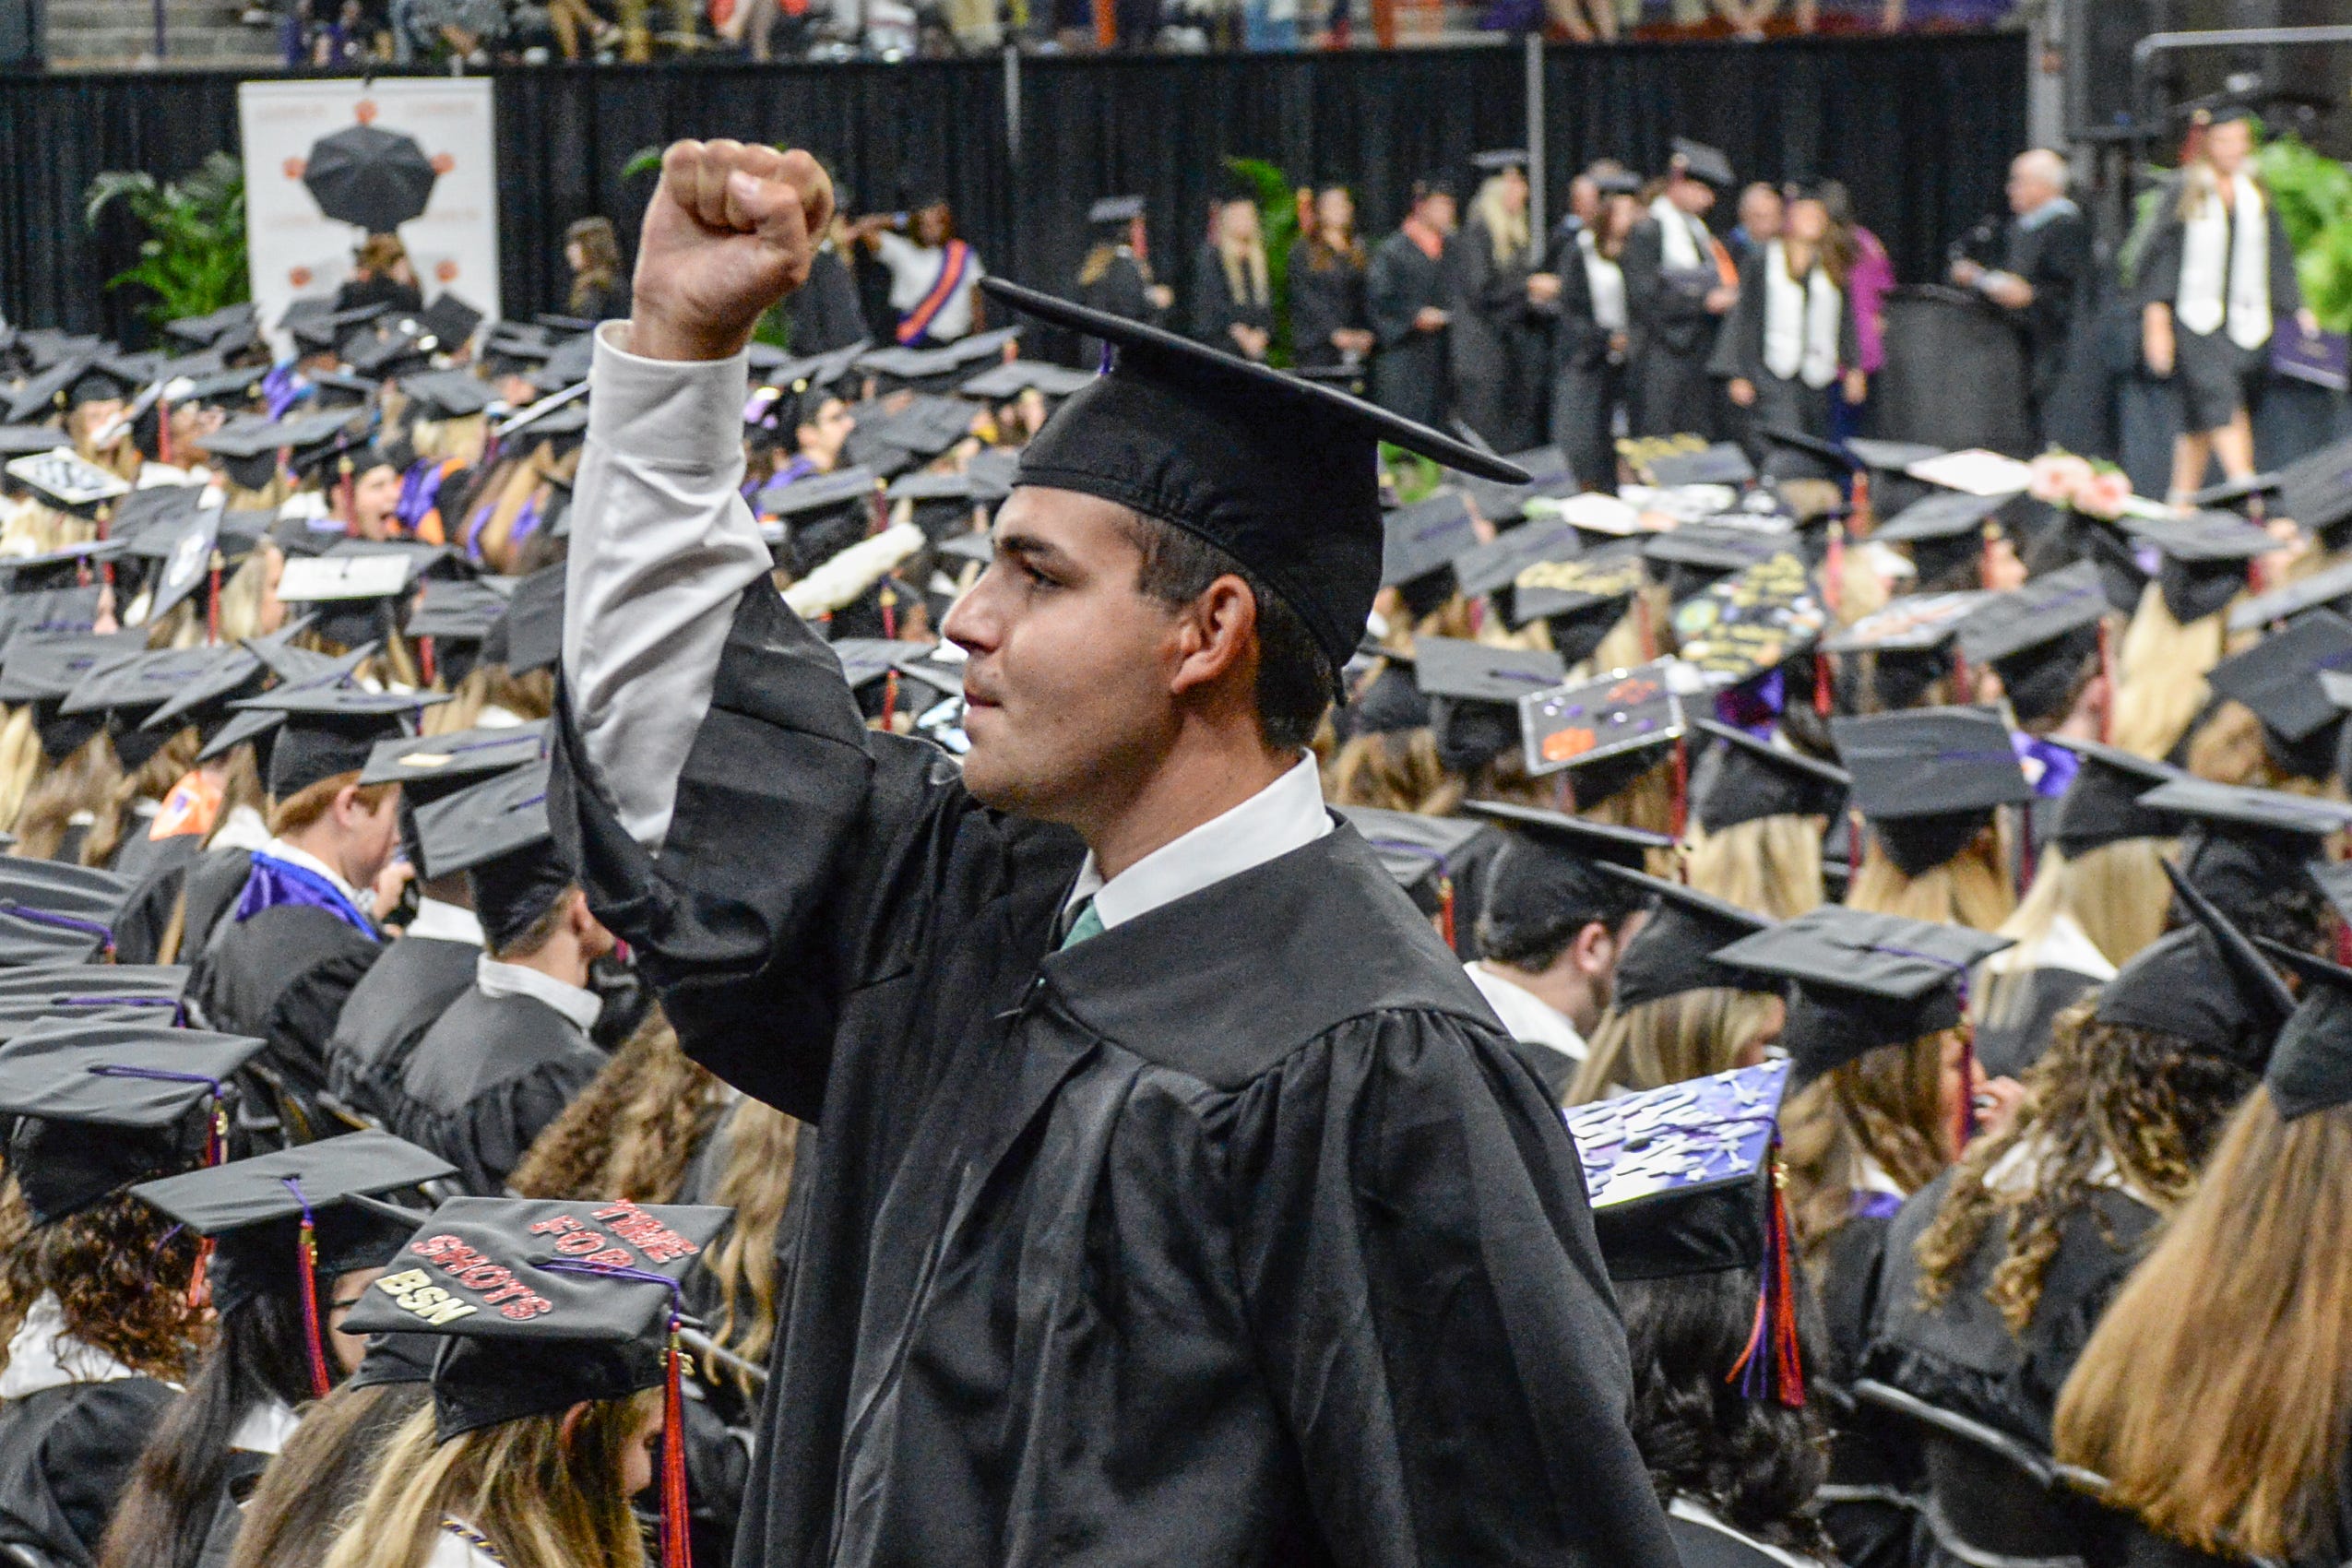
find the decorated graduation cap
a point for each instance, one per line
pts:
(1430, 856)
(2310, 1065)
(1697, 555)
(2205, 556)
(330, 728)
(2244, 844)
(1280, 474)
(548, 1304)
(2104, 803)
(1700, 162)
(2280, 679)
(529, 636)
(1929, 779)
(1675, 951)
(1744, 780)
(107, 1102)
(2206, 983)
(1552, 867)
(496, 833)
(1725, 462)
(1862, 981)
(1682, 1182)
(1474, 691)
(284, 1224)
(2037, 638)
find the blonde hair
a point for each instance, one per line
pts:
(1243, 261)
(1672, 1038)
(541, 1501)
(1398, 771)
(2160, 675)
(150, 781)
(2238, 1315)
(1506, 231)
(1769, 864)
(526, 696)
(1887, 1105)
(1647, 802)
(2116, 893)
(763, 1146)
(1969, 889)
(19, 762)
(82, 782)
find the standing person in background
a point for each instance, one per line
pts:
(1410, 293)
(1680, 284)
(825, 314)
(381, 275)
(2039, 274)
(1327, 320)
(1116, 277)
(1232, 300)
(2219, 274)
(1870, 274)
(1589, 340)
(1498, 349)
(599, 284)
(1762, 212)
(1785, 343)
(933, 273)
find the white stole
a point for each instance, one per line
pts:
(2235, 241)
(1678, 246)
(1606, 281)
(1800, 322)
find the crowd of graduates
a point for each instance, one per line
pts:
(1910, 871)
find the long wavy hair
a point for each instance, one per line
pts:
(1672, 1038)
(298, 1508)
(2160, 675)
(2216, 1392)
(1890, 1105)
(120, 1272)
(486, 686)
(1397, 771)
(1756, 1463)
(763, 1148)
(151, 780)
(2116, 894)
(633, 1132)
(257, 1354)
(1970, 889)
(82, 782)
(541, 1502)
(1769, 864)
(2149, 1101)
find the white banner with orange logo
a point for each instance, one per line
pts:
(293, 250)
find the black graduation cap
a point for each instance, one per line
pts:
(319, 333)
(1675, 951)
(379, 358)
(2279, 679)
(1725, 462)
(2245, 844)
(1701, 162)
(530, 635)
(457, 758)
(496, 832)
(2316, 491)
(1474, 691)
(450, 321)
(1927, 779)
(1554, 863)
(107, 1102)
(2330, 587)
(202, 698)
(2103, 805)
(24, 440)
(1496, 565)
(2311, 1067)
(549, 1302)
(1862, 981)
(257, 1211)
(1423, 540)
(1425, 854)
(447, 394)
(818, 493)
(2007, 630)
(1680, 1177)
(55, 912)
(2204, 559)
(456, 610)
(1281, 474)
(1116, 209)
(1001, 383)
(224, 389)
(1697, 555)
(211, 327)
(330, 728)
(1743, 779)
(2206, 983)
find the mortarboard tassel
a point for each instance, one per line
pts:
(1822, 699)
(306, 1263)
(1771, 1365)
(1859, 506)
(212, 602)
(1679, 807)
(677, 1549)
(1446, 907)
(425, 652)
(1833, 569)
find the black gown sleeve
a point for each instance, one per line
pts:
(2286, 288)
(1419, 1268)
(79, 1466)
(1739, 348)
(1391, 296)
(2159, 279)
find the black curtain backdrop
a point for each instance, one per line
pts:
(1921, 129)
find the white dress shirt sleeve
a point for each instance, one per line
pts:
(662, 548)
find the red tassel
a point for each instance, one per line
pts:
(1822, 699)
(212, 606)
(1772, 1365)
(1681, 789)
(1446, 908)
(314, 1330)
(1864, 520)
(197, 1276)
(677, 1551)
(162, 430)
(425, 652)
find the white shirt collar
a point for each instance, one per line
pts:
(579, 1004)
(1285, 816)
(241, 830)
(1524, 1016)
(266, 1428)
(42, 1354)
(279, 849)
(446, 922)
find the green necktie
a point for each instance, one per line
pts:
(1088, 923)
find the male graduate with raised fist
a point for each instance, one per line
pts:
(1180, 1201)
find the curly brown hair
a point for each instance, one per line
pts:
(632, 1130)
(119, 1271)
(2150, 1100)
(1888, 1105)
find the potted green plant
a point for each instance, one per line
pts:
(193, 260)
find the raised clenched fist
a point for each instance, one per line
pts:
(731, 231)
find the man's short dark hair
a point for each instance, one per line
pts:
(1537, 903)
(1294, 678)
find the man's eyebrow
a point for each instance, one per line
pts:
(1029, 547)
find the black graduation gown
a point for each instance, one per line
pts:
(1672, 335)
(1324, 300)
(65, 1455)
(1120, 289)
(1960, 1356)
(1866, 1452)
(2014, 1042)
(201, 889)
(825, 312)
(413, 985)
(2056, 258)
(282, 976)
(145, 914)
(1719, 1545)
(1271, 1255)
(1409, 375)
(139, 856)
(486, 1079)
(1587, 381)
(1499, 347)
(1216, 308)
(1784, 404)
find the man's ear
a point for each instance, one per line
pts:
(1219, 632)
(346, 806)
